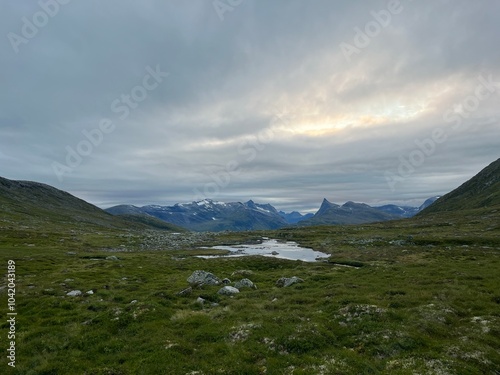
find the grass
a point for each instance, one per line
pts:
(417, 296)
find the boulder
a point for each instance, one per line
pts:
(203, 277)
(226, 281)
(287, 281)
(200, 300)
(245, 283)
(74, 293)
(228, 291)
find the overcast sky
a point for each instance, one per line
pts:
(283, 102)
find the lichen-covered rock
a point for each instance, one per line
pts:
(358, 312)
(228, 291)
(203, 277)
(245, 283)
(287, 281)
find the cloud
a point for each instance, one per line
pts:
(267, 90)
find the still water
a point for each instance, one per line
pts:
(271, 248)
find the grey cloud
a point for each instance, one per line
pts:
(346, 123)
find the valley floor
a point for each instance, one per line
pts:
(420, 297)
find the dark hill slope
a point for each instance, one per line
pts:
(481, 191)
(37, 205)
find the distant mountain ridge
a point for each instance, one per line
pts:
(209, 215)
(349, 213)
(406, 211)
(294, 217)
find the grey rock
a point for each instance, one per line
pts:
(287, 281)
(112, 257)
(200, 300)
(203, 277)
(90, 292)
(185, 292)
(74, 293)
(245, 283)
(226, 281)
(228, 291)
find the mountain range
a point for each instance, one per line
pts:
(406, 211)
(209, 215)
(35, 205)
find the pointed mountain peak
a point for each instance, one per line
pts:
(326, 202)
(326, 205)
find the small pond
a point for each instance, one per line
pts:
(271, 248)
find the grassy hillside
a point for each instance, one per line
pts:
(480, 192)
(26, 204)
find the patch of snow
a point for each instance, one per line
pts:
(262, 209)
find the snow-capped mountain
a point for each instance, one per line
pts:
(406, 211)
(209, 215)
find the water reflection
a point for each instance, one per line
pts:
(271, 248)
